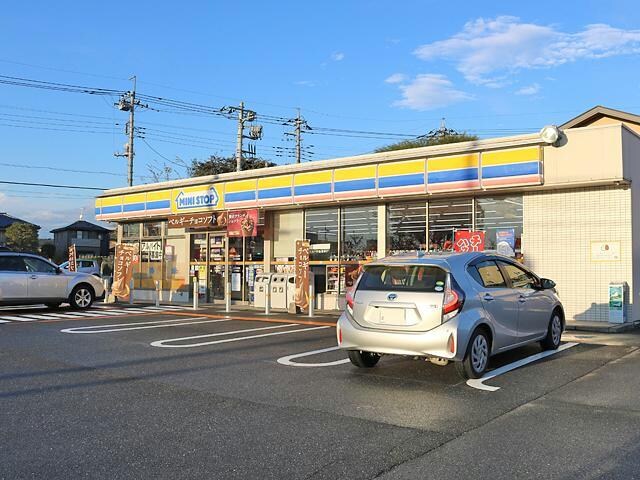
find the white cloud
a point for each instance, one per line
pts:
(498, 47)
(529, 90)
(396, 78)
(428, 92)
(337, 57)
(305, 83)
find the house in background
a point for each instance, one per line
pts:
(90, 239)
(6, 221)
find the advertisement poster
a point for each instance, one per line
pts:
(242, 223)
(468, 241)
(605, 251)
(72, 258)
(616, 303)
(212, 221)
(123, 270)
(302, 274)
(506, 242)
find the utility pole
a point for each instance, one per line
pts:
(298, 139)
(128, 103)
(254, 134)
(300, 125)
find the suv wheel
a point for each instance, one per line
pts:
(476, 359)
(363, 359)
(554, 333)
(81, 297)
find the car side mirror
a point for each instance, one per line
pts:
(58, 271)
(546, 284)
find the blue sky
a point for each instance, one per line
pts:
(491, 68)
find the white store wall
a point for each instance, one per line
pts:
(559, 227)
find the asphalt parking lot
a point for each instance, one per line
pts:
(169, 393)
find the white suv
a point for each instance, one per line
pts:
(30, 279)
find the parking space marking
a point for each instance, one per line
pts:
(288, 360)
(38, 317)
(254, 319)
(479, 382)
(136, 326)
(163, 343)
(5, 321)
(17, 319)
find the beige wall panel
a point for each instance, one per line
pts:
(558, 230)
(631, 155)
(589, 154)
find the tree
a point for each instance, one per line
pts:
(22, 237)
(48, 250)
(428, 141)
(216, 165)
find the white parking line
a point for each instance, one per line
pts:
(162, 343)
(288, 359)
(479, 382)
(39, 317)
(18, 319)
(135, 326)
(5, 321)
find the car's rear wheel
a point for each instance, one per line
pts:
(53, 305)
(81, 297)
(363, 359)
(554, 333)
(476, 358)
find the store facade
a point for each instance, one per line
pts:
(565, 209)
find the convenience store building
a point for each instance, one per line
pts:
(570, 210)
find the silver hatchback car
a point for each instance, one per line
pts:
(461, 307)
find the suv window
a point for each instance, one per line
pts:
(38, 266)
(12, 264)
(413, 278)
(519, 278)
(488, 274)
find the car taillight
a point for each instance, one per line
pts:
(452, 302)
(349, 298)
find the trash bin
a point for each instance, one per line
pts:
(262, 284)
(279, 291)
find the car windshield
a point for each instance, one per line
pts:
(417, 278)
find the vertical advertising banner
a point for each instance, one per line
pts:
(616, 303)
(506, 241)
(242, 223)
(468, 241)
(123, 270)
(302, 274)
(72, 258)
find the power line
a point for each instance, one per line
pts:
(50, 185)
(58, 169)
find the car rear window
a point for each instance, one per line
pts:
(414, 278)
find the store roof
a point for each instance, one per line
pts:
(599, 112)
(81, 225)
(7, 220)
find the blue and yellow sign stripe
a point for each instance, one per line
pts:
(451, 173)
(242, 193)
(399, 178)
(158, 202)
(110, 207)
(134, 203)
(275, 190)
(354, 182)
(313, 186)
(520, 166)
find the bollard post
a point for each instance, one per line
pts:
(312, 296)
(131, 292)
(196, 292)
(157, 293)
(267, 298)
(227, 298)
(105, 283)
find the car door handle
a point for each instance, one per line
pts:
(488, 297)
(33, 277)
(522, 299)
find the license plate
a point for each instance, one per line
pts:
(391, 316)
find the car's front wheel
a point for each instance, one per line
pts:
(554, 333)
(363, 359)
(476, 358)
(81, 297)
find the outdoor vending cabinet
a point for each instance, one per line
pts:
(262, 285)
(617, 292)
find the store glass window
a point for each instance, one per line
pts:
(501, 220)
(130, 230)
(359, 233)
(321, 229)
(153, 229)
(406, 227)
(445, 217)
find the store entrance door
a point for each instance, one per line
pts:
(217, 267)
